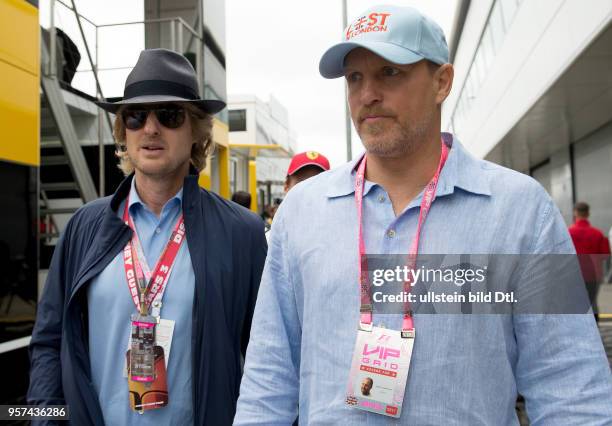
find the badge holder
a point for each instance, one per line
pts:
(146, 357)
(379, 368)
(147, 381)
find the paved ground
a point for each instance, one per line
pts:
(604, 301)
(605, 329)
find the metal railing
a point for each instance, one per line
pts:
(177, 28)
(96, 42)
(181, 36)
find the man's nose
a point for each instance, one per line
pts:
(370, 92)
(152, 126)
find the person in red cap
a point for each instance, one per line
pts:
(304, 166)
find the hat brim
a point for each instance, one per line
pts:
(301, 166)
(209, 106)
(332, 61)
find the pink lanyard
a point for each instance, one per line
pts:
(429, 195)
(159, 277)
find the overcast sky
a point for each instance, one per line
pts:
(274, 46)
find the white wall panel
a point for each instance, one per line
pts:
(593, 175)
(544, 39)
(470, 37)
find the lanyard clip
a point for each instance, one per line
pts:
(365, 308)
(408, 326)
(408, 334)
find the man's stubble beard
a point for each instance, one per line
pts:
(159, 172)
(396, 141)
(163, 172)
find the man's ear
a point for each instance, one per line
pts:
(443, 78)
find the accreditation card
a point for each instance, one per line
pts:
(379, 370)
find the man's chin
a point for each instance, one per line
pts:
(389, 145)
(154, 170)
(385, 150)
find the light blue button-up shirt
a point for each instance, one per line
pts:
(466, 369)
(110, 307)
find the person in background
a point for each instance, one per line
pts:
(304, 166)
(243, 198)
(609, 276)
(268, 216)
(592, 248)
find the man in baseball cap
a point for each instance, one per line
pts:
(397, 34)
(304, 166)
(318, 328)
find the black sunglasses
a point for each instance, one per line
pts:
(169, 115)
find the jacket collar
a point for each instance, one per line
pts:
(136, 201)
(461, 170)
(114, 233)
(190, 189)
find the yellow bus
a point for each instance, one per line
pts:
(19, 167)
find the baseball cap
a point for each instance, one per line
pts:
(308, 158)
(401, 35)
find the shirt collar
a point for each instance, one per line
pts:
(582, 222)
(461, 170)
(135, 198)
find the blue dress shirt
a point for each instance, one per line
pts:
(466, 369)
(110, 307)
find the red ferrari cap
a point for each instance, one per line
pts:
(308, 158)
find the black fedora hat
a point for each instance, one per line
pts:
(161, 75)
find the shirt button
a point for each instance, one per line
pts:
(381, 198)
(157, 230)
(391, 233)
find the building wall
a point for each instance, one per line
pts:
(160, 35)
(214, 19)
(248, 104)
(267, 123)
(532, 93)
(522, 66)
(215, 86)
(593, 175)
(561, 182)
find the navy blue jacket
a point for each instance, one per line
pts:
(227, 248)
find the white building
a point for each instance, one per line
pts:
(259, 132)
(533, 91)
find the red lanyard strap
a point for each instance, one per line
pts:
(144, 291)
(429, 195)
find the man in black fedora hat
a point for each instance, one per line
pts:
(149, 298)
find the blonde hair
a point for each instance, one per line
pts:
(201, 131)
